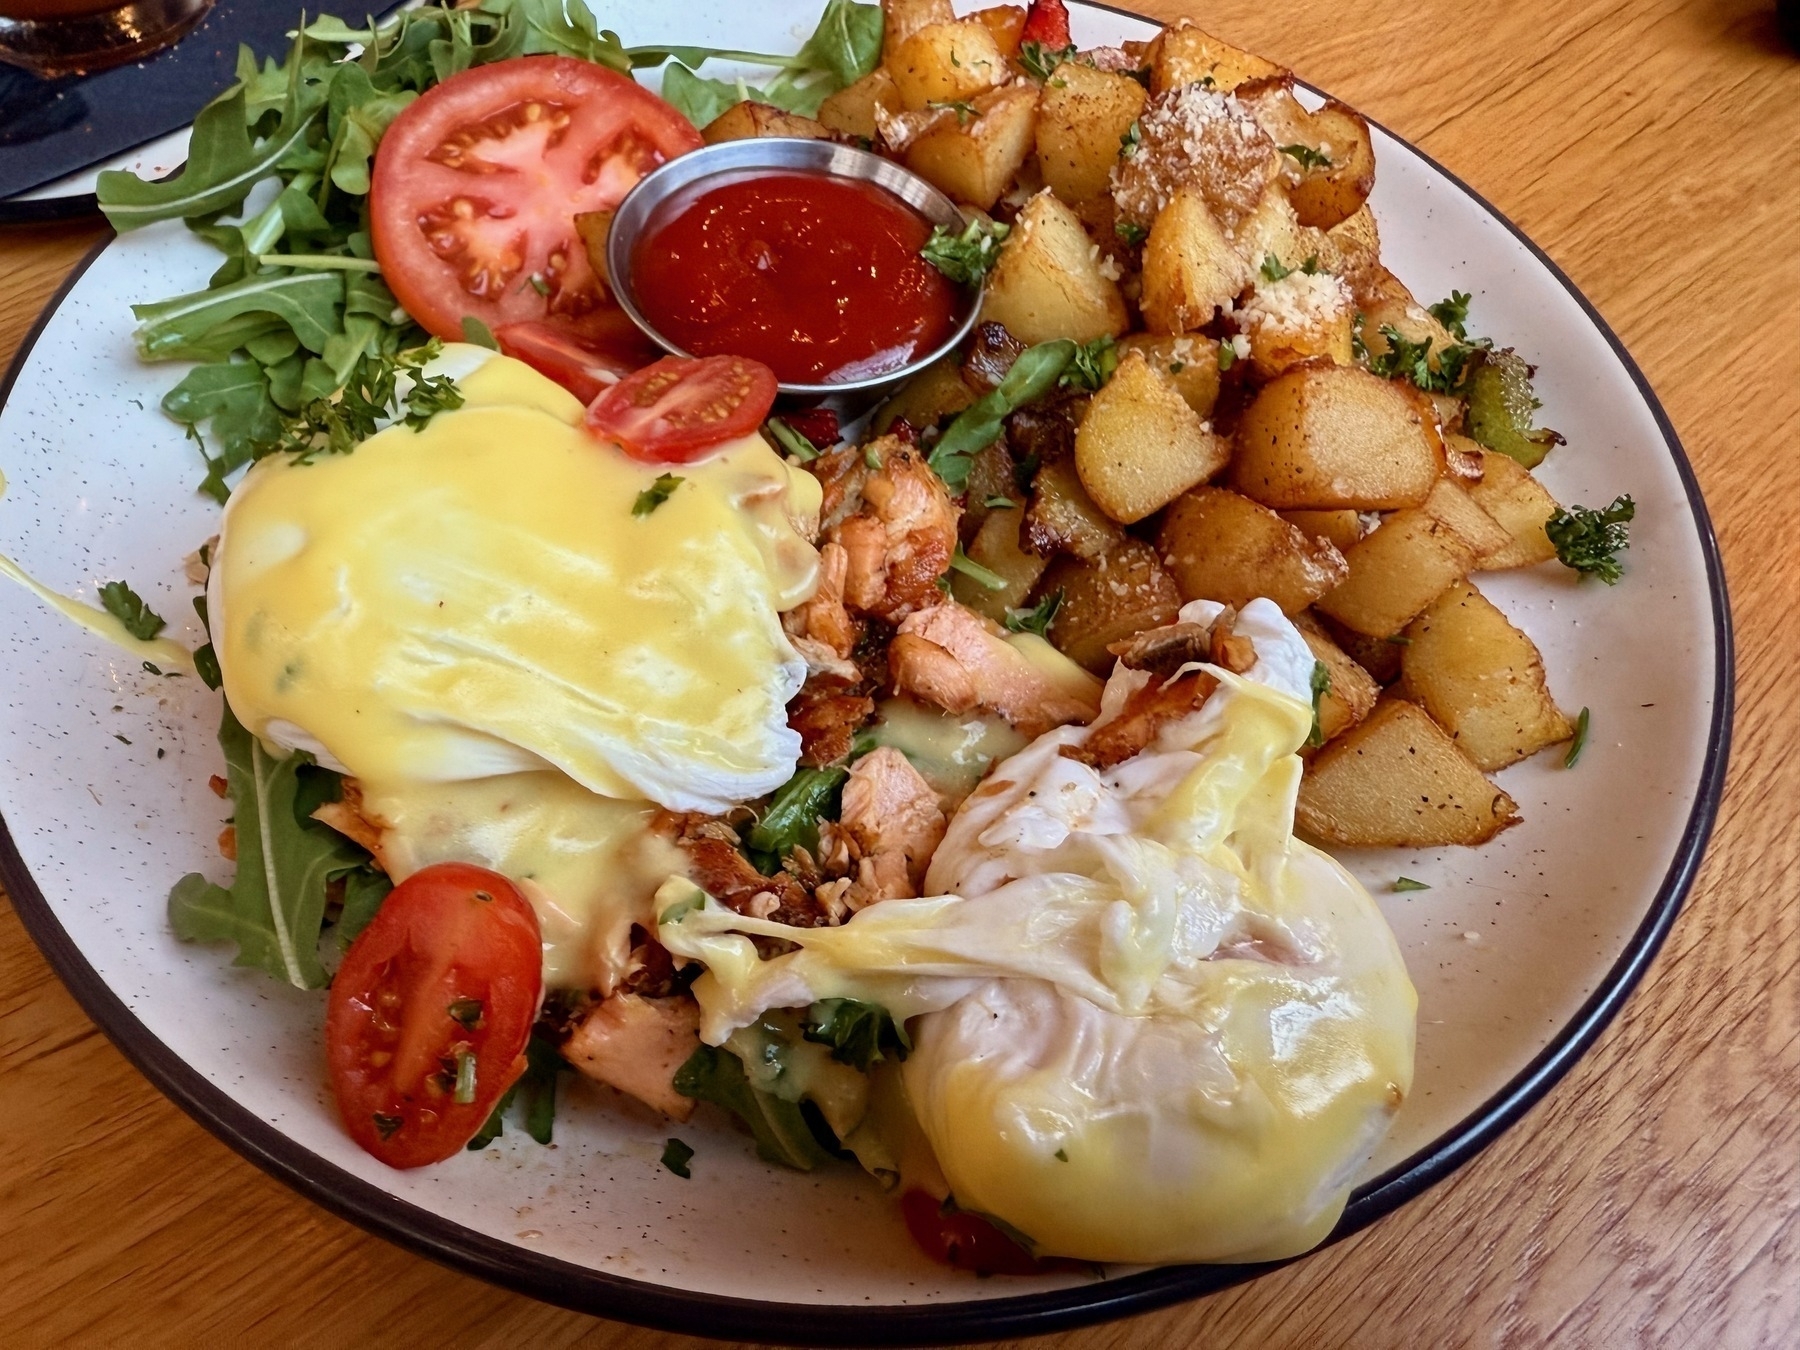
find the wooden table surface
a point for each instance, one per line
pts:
(1652, 1199)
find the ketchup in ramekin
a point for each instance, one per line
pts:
(818, 277)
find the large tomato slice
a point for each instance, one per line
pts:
(477, 184)
(680, 407)
(428, 1017)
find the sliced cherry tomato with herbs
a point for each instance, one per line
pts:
(1047, 22)
(609, 348)
(969, 1242)
(477, 184)
(429, 1014)
(682, 406)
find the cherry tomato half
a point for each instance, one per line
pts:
(609, 348)
(968, 1241)
(1047, 22)
(680, 407)
(477, 185)
(428, 1017)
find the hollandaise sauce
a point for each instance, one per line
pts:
(817, 277)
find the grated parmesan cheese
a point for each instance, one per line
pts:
(1196, 137)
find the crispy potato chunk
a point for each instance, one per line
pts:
(1398, 781)
(851, 111)
(746, 121)
(1190, 267)
(1114, 596)
(1322, 436)
(1048, 284)
(1482, 679)
(996, 547)
(1342, 528)
(1182, 54)
(1140, 445)
(1352, 248)
(1191, 362)
(1006, 23)
(1329, 193)
(974, 160)
(1397, 571)
(1221, 546)
(935, 392)
(947, 63)
(1451, 503)
(900, 19)
(1380, 656)
(1302, 317)
(1083, 114)
(1386, 303)
(1351, 695)
(1062, 518)
(1521, 505)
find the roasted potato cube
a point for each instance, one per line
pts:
(1482, 679)
(1140, 445)
(1385, 302)
(996, 547)
(1521, 504)
(851, 111)
(1191, 362)
(1048, 284)
(1114, 596)
(1351, 695)
(1380, 656)
(1272, 228)
(1321, 437)
(1182, 54)
(1222, 546)
(1081, 117)
(1062, 518)
(1328, 193)
(1190, 267)
(1397, 571)
(1451, 503)
(1302, 317)
(1398, 781)
(1006, 23)
(934, 393)
(973, 159)
(1341, 528)
(900, 19)
(1352, 248)
(747, 120)
(947, 63)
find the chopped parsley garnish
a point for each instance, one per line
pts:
(798, 448)
(1061, 1155)
(128, 607)
(965, 112)
(1036, 619)
(1227, 353)
(1321, 686)
(466, 1012)
(676, 1156)
(967, 257)
(1408, 884)
(431, 394)
(872, 457)
(1132, 138)
(975, 572)
(1412, 360)
(1587, 540)
(1092, 365)
(1131, 233)
(386, 1125)
(656, 494)
(1307, 157)
(999, 503)
(1039, 61)
(538, 284)
(1273, 269)
(1454, 314)
(478, 333)
(1579, 744)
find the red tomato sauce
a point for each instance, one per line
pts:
(818, 278)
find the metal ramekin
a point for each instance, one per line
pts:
(782, 153)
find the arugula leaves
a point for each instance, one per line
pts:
(1307, 157)
(1040, 61)
(676, 1156)
(1033, 375)
(531, 1100)
(275, 908)
(859, 1034)
(715, 1075)
(844, 47)
(1579, 743)
(1403, 884)
(968, 257)
(1588, 541)
(128, 607)
(1036, 620)
(1092, 365)
(793, 816)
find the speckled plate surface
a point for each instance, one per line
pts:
(1521, 950)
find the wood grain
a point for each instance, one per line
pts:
(1652, 1200)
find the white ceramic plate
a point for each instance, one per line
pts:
(1521, 950)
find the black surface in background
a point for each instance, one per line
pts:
(49, 128)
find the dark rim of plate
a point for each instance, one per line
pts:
(611, 1296)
